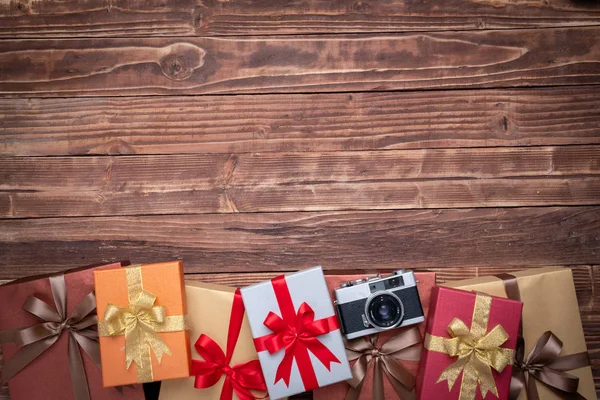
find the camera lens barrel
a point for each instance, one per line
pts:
(384, 310)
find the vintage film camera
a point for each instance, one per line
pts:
(370, 305)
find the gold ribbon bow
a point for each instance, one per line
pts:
(478, 351)
(140, 322)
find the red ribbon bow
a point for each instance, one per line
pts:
(240, 378)
(297, 334)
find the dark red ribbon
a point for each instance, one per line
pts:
(240, 378)
(297, 334)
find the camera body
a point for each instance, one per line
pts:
(370, 305)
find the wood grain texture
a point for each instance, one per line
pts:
(298, 122)
(54, 18)
(331, 139)
(524, 237)
(275, 182)
(148, 66)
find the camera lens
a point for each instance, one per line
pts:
(385, 310)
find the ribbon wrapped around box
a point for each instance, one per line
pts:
(224, 361)
(142, 323)
(469, 346)
(296, 333)
(384, 366)
(49, 338)
(551, 362)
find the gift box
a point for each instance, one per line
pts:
(296, 333)
(224, 360)
(469, 346)
(405, 354)
(550, 319)
(142, 323)
(59, 311)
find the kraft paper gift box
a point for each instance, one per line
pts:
(469, 346)
(405, 356)
(296, 333)
(142, 326)
(549, 304)
(221, 340)
(52, 304)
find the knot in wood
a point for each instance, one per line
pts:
(181, 60)
(360, 6)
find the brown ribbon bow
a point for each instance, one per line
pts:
(544, 365)
(403, 346)
(38, 338)
(543, 362)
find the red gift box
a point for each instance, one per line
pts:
(489, 323)
(48, 376)
(425, 283)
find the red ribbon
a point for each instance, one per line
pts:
(297, 334)
(240, 378)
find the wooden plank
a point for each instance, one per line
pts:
(54, 18)
(439, 194)
(274, 182)
(513, 58)
(298, 122)
(288, 241)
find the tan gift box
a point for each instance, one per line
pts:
(209, 308)
(549, 304)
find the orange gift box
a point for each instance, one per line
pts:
(141, 313)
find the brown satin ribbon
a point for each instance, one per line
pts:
(543, 362)
(36, 339)
(403, 346)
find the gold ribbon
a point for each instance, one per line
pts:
(141, 322)
(478, 351)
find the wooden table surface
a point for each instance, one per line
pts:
(250, 138)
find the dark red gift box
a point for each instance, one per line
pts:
(47, 376)
(446, 305)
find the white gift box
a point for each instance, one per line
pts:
(308, 293)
